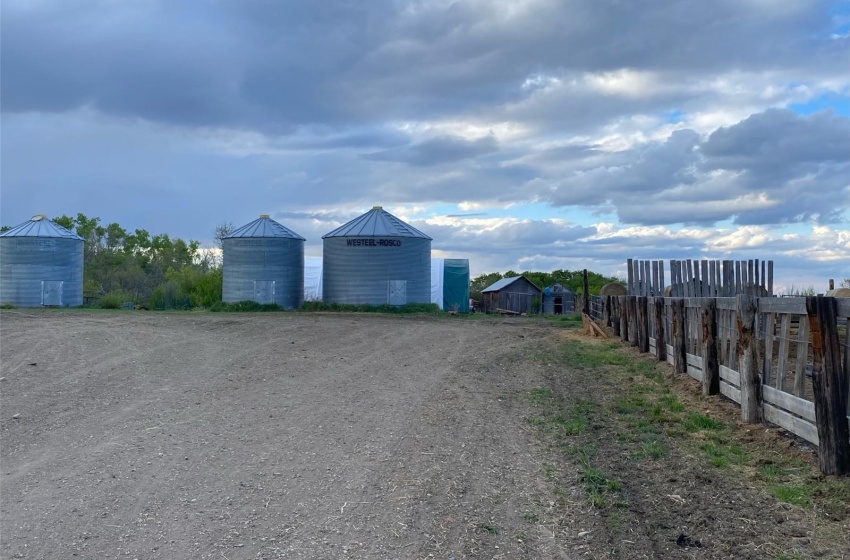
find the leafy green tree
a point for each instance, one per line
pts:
(142, 266)
(481, 282)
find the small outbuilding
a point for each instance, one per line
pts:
(558, 300)
(514, 295)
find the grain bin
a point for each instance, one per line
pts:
(376, 259)
(41, 263)
(263, 262)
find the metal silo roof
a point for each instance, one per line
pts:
(264, 227)
(377, 222)
(40, 226)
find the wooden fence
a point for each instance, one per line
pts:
(700, 278)
(784, 360)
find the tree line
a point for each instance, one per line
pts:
(162, 272)
(571, 279)
(157, 271)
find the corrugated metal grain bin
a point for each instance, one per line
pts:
(376, 259)
(41, 263)
(264, 262)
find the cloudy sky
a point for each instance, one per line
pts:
(521, 134)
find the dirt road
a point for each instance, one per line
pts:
(235, 436)
(264, 436)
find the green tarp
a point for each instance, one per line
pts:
(456, 285)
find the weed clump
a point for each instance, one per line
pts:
(243, 306)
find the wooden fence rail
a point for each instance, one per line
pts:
(784, 360)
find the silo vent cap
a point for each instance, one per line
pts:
(264, 215)
(377, 208)
(38, 217)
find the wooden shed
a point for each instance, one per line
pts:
(513, 295)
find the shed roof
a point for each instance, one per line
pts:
(264, 227)
(505, 282)
(40, 226)
(377, 222)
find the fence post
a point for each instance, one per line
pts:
(677, 328)
(830, 387)
(586, 308)
(660, 345)
(606, 310)
(624, 317)
(710, 364)
(748, 356)
(643, 323)
(616, 312)
(633, 322)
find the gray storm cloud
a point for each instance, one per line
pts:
(176, 116)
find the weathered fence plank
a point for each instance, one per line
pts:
(802, 358)
(710, 364)
(689, 279)
(633, 330)
(660, 345)
(660, 279)
(782, 359)
(791, 423)
(735, 270)
(677, 332)
(829, 384)
(616, 314)
(624, 317)
(751, 409)
(643, 324)
(769, 328)
(770, 278)
(796, 405)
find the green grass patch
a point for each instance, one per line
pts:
(598, 485)
(569, 321)
(645, 418)
(694, 422)
(799, 495)
(574, 420)
(723, 454)
(540, 396)
(672, 404)
(772, 473)
(588, 356)
(653, 448)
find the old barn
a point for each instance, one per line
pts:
(516, 294)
